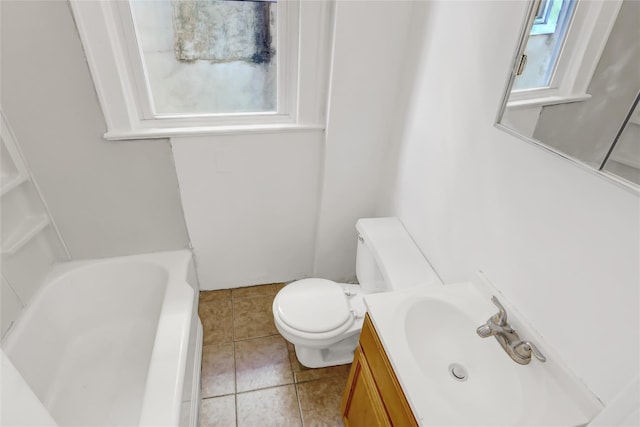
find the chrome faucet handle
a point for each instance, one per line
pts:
(500, 318)
(490, 329)
(524, 350)
(497, 324)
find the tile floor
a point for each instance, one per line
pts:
(250, 374)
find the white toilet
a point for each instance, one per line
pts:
(324, 318)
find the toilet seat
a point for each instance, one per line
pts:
(314, 306)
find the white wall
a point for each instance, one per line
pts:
(368, 62)
(250, 203)
(107, 198)
(560, 242)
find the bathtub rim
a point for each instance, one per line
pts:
(177, 264)
(162, 401)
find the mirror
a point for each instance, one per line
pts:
(624, 157)
(575, 84)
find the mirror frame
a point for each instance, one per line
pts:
(511, 74)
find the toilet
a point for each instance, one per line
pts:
(323, 319)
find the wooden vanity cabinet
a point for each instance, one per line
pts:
(373, 396)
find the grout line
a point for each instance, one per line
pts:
(235, 370)
(264, 388)
(293, 372)
(299, 404)
(221, 395)
(233, 341)
(233, 325)
(235, 404)
(235, 365)
(244, 339)
(295, 384)
(256, 338)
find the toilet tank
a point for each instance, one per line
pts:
(388, 259)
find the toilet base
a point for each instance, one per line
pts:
(340, 353)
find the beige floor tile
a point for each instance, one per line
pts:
(302, 373)
(254, 291)
(220, 295)
(217, 321)
(218, 412)
(218, 370)
(262, 363)
(253, 317)
(320, 401)
(341, 371)
(276, 406)
(296, 366)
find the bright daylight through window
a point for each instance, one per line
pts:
(545, 43)
(165, 68)
(207, 56)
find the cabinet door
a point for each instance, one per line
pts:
(361, 404)
(387, 383)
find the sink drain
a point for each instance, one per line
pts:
(458, 372)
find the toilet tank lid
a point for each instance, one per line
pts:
(398, 257)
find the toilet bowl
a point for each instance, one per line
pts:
(323, 319)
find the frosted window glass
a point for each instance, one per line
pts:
(208, 56)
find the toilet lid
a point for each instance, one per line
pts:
(313, 305)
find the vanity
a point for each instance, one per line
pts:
(421, 362)
(373, 396)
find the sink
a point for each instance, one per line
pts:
(451, 376)
(469, 370)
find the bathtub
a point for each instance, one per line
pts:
(114, 342)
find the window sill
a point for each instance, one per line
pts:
(159, 133)
(547, 100)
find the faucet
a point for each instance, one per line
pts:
(520, 351)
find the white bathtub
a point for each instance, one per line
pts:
(114, 342)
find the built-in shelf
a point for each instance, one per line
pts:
(27, 230)
(12, 183)
(14, 171)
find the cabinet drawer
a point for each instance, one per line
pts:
(388, 386)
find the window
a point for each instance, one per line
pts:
(561, 50)
(207, 56)
(182, 67)
(544, 44)
(546, 19)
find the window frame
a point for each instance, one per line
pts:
(115, 62)
(546, 21)
(585, 40)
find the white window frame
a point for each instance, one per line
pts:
(113, 55)
(551, 9)
(586, 38)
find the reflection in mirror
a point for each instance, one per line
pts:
(547, 35)
(624, 160)
(575, 79)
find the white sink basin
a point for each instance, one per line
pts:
(443, 342)
(451, 376)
